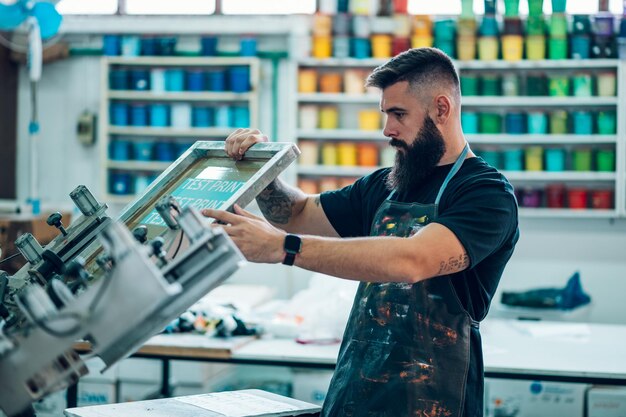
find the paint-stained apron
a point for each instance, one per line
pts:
(405, 351)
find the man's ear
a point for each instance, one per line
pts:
(443, 109)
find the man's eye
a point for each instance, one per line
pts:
(400, 115)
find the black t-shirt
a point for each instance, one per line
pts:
(478, 206)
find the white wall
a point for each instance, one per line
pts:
(548, 253)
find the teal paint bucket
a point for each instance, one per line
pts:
(469, 85)
(513, 160)
(582, 122)
(607, 123)
(490, 85)
(493, 158)
(537, 123)
(555, 160)
(469, 123)
(582, 85)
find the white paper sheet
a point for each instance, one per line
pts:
(237, 404)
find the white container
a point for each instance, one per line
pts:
(157, 80)
(181, 115)
(606, 402)
(504, 397)
(308, 117)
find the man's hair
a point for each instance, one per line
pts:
(420, 67)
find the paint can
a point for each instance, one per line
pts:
(118, 79)
(421, 41)
(381, 46)
(558, 25)
(535, 7)
(491, 157)
(577, 198)
(555, 196)
(354, 81)
(466, 48)
(511, 85)
(582, 85)
(513, 159)
(606, 84)
(174, 80)
(469, 123)
(557, 47)
(111, 45)
(119, 150)
(360, 48)
(367, 155)
(120, 183)
(555, 159)
(581, 46)
(131, 46)
(202, 116)
(607, 123)
(602, 199)
(142, 150)
(534, 158)
(148, 46)
(535, 47)
(512, 47)
(158, 115)
(329, 154)
(330, 82)
(341, 46)
(605, 160)
(469, 84)
(141, 182)
(490, 123)
(490, 85)
(223, 116)
(164, 151)
(157, 80)
(241, 116)
(582, 160)
(558, 85)
(347, 153)
(341, 24)
(328, 117)
(208, 45)
(247, 47)
(140, 79)
(582, 122)
(369, 119)
(307, 80)
(488, 48)
(322, 46)
(195, 80)
(399, 45)
(119, 114)
(558, 122)
(309, 153)
(531, 197)
(536, 85)
(515, 123)
(181, 115)
(216, 80)
(239, 79)
(308, 117)
(322, 25)
(138, 115)
(537, 123)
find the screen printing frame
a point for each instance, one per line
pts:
(277, 156)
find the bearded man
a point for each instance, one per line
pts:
(427, 238)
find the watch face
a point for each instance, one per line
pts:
(293, 244)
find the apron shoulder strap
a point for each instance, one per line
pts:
(453, 171)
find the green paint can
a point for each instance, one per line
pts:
(558, 122)
(582, 85)
(558, 26)
(536, 85)
(469, 85)
(535, 7)
(581, 159)
(490, 85)
(557, 48)
(605, 160)
(535, 25)
(490, 123)
(558, 86)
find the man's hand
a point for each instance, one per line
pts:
(238, 142)
(258, 240)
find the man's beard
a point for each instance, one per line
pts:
(417, 160)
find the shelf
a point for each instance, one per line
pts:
(343, 134)
(335, 171)
(565, 64)
(566, 213)
(217, 132)
(537, 101)
(139, 165)
(339, 98)
(169, 61)
(558, 176)
(503, 139)
(178, 96)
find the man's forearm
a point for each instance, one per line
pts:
(281, 203)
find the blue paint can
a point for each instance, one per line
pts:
(138, 115)
(195, 80)
(164, 151)
(148, 46)
(555, 159)
(140, 79)
(513, 160)
(469, 123)
(223, 116)
(118, 80)
(142, 151)
(583, 123)
(537, 123)
(216, 80)
(241, 116)
(158, 115)
(119, 150)
(239, 79)
(247, 47)
(119, 114)
(202, 116)
(111, 45)
(208, 45)
(120, 183)
(514, 123)
(175, 80)
(360, 48)
(581, 46)
(142, 181)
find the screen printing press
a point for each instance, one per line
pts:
(160, 256)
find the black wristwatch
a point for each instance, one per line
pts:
(292, 247)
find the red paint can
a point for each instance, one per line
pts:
(577, 198)
(399, 45)
(555, 196)
(602, 199)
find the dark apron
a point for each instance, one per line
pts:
(405, 351)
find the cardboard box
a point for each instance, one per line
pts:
(508, 398)
(606, 402)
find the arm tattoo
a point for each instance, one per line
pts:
(276, 202)
(454, 264)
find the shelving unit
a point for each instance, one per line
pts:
(177, 137)
(348, 131)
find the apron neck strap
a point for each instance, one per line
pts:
(455, 168)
